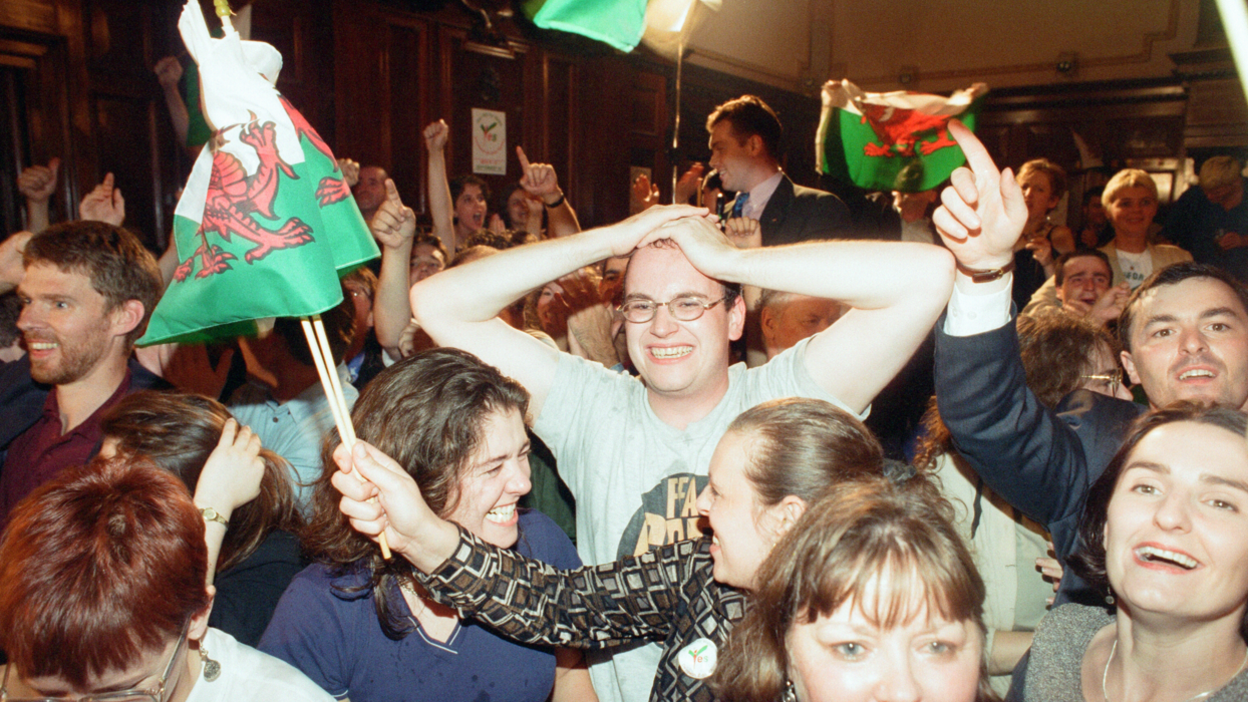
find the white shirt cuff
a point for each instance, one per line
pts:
(975, 314)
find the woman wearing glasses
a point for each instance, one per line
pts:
(104, 598)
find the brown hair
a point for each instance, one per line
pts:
(805, 448)
(427, 413)
(119, 267)
(102, 564)
(1055, 173)
(1055, 349)
(1088, 562)
(836, 554)
(750, 116)
(1172, 275)
(178, 433)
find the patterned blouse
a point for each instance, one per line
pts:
(666, 595)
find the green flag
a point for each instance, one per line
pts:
(891, 141)
(266, 222)
(619, 23)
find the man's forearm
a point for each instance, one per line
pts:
(562, 220)
(478, 291)
(391, 308)
(853, 272)
(441, 208)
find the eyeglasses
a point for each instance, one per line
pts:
(153, 694)
(685, 308)
(1112, 381)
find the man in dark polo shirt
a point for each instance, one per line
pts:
(87, 291)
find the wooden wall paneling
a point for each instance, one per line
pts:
(474, 76)
(381, 79)
(302, 31)
(129, 140)
(559, 123)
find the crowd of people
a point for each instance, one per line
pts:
(743, 447)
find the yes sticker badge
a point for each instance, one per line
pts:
(698, 659)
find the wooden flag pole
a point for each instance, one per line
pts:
(318, 343)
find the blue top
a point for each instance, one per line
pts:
(335, 638)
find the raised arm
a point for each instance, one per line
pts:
(896, 289)
(541, 181)
(525, 599)
(459, 306)
(393, 226)
(229, 479)
(1021, 449)
(441, 209)
(37, 184)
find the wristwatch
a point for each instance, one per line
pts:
(986, 276)
(211, 515)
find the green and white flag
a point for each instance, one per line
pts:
(891, 141)
(266, 222)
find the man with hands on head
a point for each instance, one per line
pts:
(1184, 334)
(634, 451)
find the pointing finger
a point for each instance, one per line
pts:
(977, 157)
(524, 161)
(55, 166)
(108, 181)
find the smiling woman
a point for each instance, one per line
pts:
(361, 626)
(774, 460)
(1166, 521)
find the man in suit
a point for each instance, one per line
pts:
(745, 150)
(1184, 334)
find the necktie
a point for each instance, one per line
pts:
(738, 206)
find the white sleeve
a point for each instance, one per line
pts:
(975, 314)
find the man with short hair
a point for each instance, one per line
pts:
(786, 318)
(87, 291)
(1082, 279)
(1184, 334)
(370, 190)
(634, 452)
(745, 139)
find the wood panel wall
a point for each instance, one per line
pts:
(370, 74)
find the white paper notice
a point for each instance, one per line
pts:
(489, 142)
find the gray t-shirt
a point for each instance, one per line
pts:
(1054, 665)
(635, 478)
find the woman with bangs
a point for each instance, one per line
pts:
(872, 597)
(1164, 536)
(774, 461)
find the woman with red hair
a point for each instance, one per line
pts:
(104, 595)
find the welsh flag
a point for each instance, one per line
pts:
(266, 222)
(891, 141)
(619, 23)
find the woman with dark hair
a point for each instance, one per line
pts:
(104, 595)
(773, 461)
(872, 596)
(361, 626)
(243, 490)
(1164, 536)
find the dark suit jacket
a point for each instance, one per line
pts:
(794, 213)
(1041, 461)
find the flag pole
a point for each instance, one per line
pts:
(318, 343)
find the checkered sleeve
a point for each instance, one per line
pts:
(590, 607)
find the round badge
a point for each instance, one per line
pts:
(697, 660)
